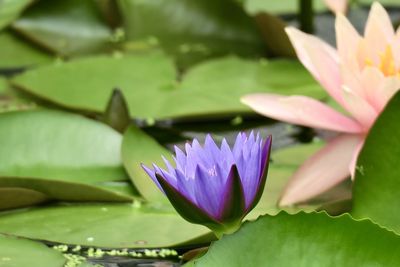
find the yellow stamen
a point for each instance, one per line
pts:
(369, 62)
(387, 64)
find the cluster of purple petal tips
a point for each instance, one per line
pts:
(215, 186)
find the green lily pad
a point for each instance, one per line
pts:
(383, 2)
(12, 100)
(111, 226)
(10, 10)
(61, 190)
(148, 84)
(68, 27)
(144, 80)
(3, 85)
(120, 187)
(138, 148)
(59, 146)
(15, 53)
(16, 252)
(305, 240)
(14, 197)
(376, 186)
(205, 86)
(192, 30)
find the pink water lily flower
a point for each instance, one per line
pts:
(361, 75)
(337, 6)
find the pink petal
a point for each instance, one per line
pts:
(379, 22)
(350, 46)
(372, 79)
(337, 6)
(390, 86)
(347, 41)
(379, 31)
(359, 108)
(320, 59)
(378, 88)
(301, 110)
(385, 92)
(322, 171)
(396, 50)
(351, 78)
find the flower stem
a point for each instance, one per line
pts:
(306, 16)
(220, 230)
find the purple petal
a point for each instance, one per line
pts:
(185, 185)
(233, 200)
(171, 179)
(211, 148)
(266, 149)
(171, 169)
(180, 159)
(240, 164)
(251, 176)
(250, 141)
(152, 175)
(237, 148)
(184, 206)
(207, 190)
(203, 157)
(191, 161)
(247, 146)
(227, 159)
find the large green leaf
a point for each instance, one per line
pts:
(305, 240)
(15, 53)
(10, 10)
(148, 84)
(138, 148)
(113, 226)
(66, 27)
(193, 30)
(16, 252)
(376, 187)
(59, 146)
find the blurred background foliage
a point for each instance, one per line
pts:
(91, 88)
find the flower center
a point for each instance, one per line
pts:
(387, 63)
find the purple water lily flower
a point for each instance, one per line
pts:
(216, 186)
